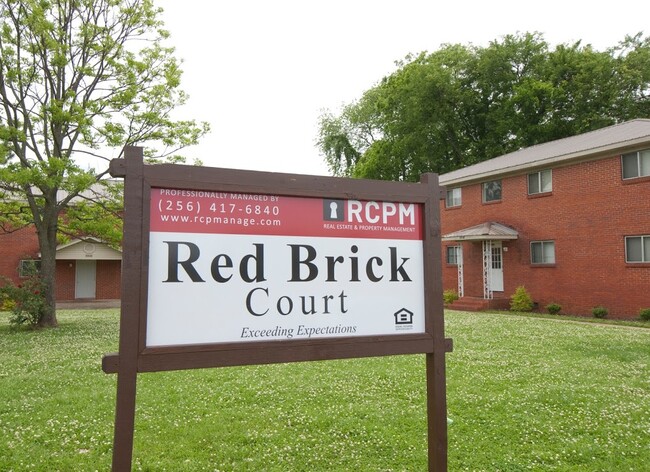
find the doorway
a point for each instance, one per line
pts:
(496, 270)
(85, 279)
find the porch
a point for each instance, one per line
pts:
(479, 304)
(488, 266)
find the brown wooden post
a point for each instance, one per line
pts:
(132, 170)
(435, 361)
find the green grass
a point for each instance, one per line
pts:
(524, 393)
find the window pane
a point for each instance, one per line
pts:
(546, 177)
(549, 252)
(634, 249)
(533, 183)
(630, 165)
(496, 258)
(646, 249)
(644, 157)
(542, 252)
(453, 197)
(492, 191)
(452, 255)
(29, 267)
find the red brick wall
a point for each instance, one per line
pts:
(21, 244)
(65, 279)
(587, 215)
(108, 280)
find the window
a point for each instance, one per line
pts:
(492, 191)
(540, 182)
(637, 249)
(636, 164)
(497, 255)
(542, 252)
(453, 255)
(454, 198)
(29, 267)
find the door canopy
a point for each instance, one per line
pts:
(488, 231)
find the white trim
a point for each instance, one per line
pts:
(461, 280)
(87, 248)
(487, 270)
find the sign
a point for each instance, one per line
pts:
(225, 267)
(247, 267)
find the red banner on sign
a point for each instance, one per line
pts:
(196, 211)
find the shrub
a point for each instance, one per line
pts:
(6, 304)
(599, 312)
(553, 308)
(449, 296)
(24, 301)
(644, 313)
(521, 300)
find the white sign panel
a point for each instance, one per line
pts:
(226, 267)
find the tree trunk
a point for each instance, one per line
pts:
(48, 277)
(47, 229)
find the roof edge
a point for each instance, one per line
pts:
(601, 152)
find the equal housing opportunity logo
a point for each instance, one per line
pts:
(403, 319)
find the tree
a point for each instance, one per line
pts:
(79, 78)
(461, 104)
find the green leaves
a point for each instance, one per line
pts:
(76, 79)
(463, 104)
(101, 77)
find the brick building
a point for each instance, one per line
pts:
(85, 270)
(568, 219)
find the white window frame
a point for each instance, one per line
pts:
(645, 255)
(455, 250)
(454, 198)
(484, 192)
(638, 157)
(539, 176)
(543, 244)
(28, 267)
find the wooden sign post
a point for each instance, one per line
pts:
(227, 267)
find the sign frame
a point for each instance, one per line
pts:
(135, 357)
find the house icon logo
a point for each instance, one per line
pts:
(403, 319)
(333, 210)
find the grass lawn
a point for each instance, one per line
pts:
(524, 394)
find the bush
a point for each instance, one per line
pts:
(521, 300)
(24, 301)
(599, 312)
(553, 308)
(449, 296)
(644, 313)
(6, 304)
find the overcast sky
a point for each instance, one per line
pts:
(261, 72)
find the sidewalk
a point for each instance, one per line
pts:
(87, 304)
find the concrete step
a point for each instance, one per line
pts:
(479, 304)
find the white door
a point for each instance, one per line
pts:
(496, 273)
(85, 279)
